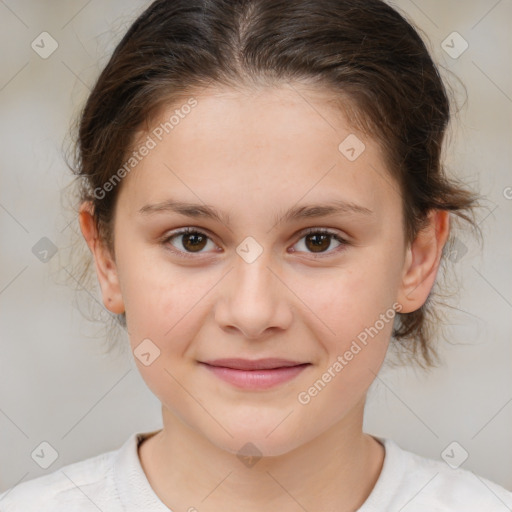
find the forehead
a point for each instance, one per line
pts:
(284, 142)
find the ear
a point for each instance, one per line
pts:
(422, 261)
(106, 269)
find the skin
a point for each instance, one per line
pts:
(253, 155)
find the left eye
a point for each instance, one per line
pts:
(319, 240)
(194, 241)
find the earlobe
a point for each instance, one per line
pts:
(422, 261)
(106, 269)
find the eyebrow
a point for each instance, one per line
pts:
(334, 207)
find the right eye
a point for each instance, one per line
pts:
(191, 241)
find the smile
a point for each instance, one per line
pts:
(257, 378)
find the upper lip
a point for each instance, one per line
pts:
(253, 364)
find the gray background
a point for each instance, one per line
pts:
(56, 385)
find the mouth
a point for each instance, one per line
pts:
(255, 374)
(254, 364)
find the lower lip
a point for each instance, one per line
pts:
(256, 379)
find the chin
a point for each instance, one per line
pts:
(258, 443)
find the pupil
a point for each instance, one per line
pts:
(319, 244)
(197, 243)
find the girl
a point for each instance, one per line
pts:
(263, 196)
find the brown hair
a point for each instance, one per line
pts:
(360, 50)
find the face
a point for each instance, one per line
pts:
(274, 274)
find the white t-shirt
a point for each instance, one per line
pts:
(115, 482)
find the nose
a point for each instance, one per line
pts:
(253, 300)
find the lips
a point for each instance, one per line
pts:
(253, 364)
(255, 374)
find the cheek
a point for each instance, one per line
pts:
(161, 308)
(357, 307)
(348, 299)
(164, 301)
(162, 319)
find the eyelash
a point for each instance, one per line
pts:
(309, 231)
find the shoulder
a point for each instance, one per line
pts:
(84, 485)
(431, 485)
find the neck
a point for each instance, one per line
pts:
(336, 470)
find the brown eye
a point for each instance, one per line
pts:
(188, 241)
(319, 241)
(193, 241)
